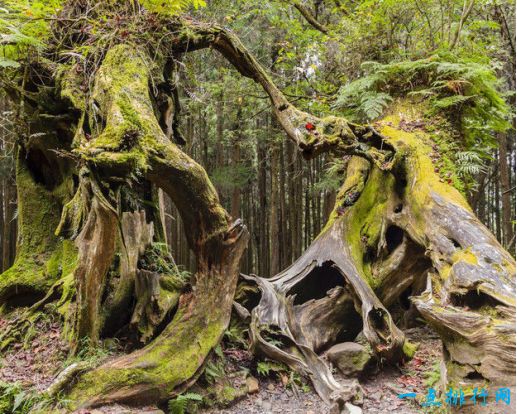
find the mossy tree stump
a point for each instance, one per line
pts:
(97, 147)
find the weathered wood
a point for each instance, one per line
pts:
(394, 223)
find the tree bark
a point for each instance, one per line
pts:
(218, 245)
(394, 223)
(274, 208)
(389, 231)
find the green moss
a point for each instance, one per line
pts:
(357, 173)
(365, 220)
(361, 359)
(42, 257)
(122, 92)
(409, 349)
(466, 256)
(70, 80)
(417, 147)
(162, 365)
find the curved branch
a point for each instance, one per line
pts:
(306, 13)
(313, 135)
(132, 140)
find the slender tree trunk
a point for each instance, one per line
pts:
(236, 159)
(505, 191)
(8, 228)
(263, 250)
(285, 239)
(274, 209)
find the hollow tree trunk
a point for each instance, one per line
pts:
(390, 231)
(42, 258)
(465, 259)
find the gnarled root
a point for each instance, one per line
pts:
(173, 361)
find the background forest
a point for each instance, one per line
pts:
(351, 53)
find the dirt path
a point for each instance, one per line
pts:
(35, 364)
(380, 389)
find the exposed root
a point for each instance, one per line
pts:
(174, 360)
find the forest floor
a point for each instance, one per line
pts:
(34, 363)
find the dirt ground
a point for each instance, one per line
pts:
(35, 364)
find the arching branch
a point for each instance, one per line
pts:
(311, 19)
(313, 135)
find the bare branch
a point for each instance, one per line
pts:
(306, 13)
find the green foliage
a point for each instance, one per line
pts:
(236, 333)
(183, 403)
(24, 26)
(213, 371)
(90, 354)
(171, 7)
(273, 335)
(12, 399)
(432, 376)
(266, 367)
(157, 258)
(466, 92)
(367, 104)
(15, 400)
(332, 178)
(231, 176)
(296, 381)
(469, 163)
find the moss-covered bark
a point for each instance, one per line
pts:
(42, 258)
(470, 294)
(131, 140)
(392, 231)
(395, 224)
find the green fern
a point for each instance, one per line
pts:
(179, 405)
(469, 163)
(213, 371)
(264, 368)
(432, 376)
(451, 101)
(332, 179)
(460, 89)
(373, 104)
(172, 6)
(236, 334)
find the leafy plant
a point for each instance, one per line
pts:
(180, 404)
(230, 177)
(469, 163)
(464, 92)
(157, 258)
(89, 353)
(172, 6)
(266, 367)
(15, 400)
(454, 86)
(214, 370)
(296, 381)
(332, 179)
(236, 333)
(432, 376)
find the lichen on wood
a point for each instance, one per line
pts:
(395, 226)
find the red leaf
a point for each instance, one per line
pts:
(309, 126)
